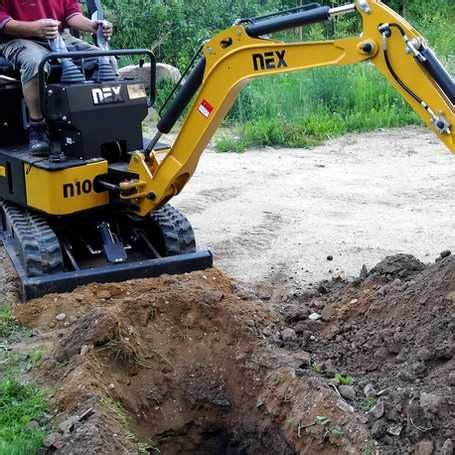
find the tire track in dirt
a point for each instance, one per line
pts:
(206, 198)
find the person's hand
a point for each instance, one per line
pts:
(108, 28)
(45, 29)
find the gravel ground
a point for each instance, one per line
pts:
(277, 214)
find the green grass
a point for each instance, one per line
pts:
(344, 379)
(19, 405)
(304, 108)
(7, 322)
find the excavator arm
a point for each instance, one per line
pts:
(244, 51)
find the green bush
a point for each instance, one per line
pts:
(297, 109)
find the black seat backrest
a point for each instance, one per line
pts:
(6, 69)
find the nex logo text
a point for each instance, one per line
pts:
(269, 60)
(107, 95)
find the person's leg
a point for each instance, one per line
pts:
(26, 55)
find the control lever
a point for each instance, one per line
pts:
(70, 72)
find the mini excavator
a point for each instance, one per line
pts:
(97, 209)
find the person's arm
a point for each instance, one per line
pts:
(81, 23)
(42, 29)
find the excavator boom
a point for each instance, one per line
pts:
(245, 51)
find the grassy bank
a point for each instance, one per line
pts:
(22, 405)
(301, 109)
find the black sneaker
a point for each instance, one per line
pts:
(39, 139)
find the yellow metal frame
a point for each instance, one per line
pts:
(228, 69)
(65, 191)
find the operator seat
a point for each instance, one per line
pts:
(6, 69)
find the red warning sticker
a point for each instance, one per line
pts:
(205, 108)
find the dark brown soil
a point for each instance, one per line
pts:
(393, 329)
(181, 364)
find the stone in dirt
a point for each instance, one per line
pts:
(314, 317)
(60, 317)
(379, 428)
(377, 411)
(348, 392)
(370, 391)
(288, 335)
(424, 448)
(432, 402)
(363, 275)
(398, 266)
(68, 425)
(51, 439)
(395, 429)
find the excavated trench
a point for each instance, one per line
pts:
(195, 364)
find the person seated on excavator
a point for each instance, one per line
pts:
(26, 29)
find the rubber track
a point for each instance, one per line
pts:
(176, 230)
(38, 245)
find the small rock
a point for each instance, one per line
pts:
(328, 368)
(394, 347)
(222, 402)
(354, 301)
(406, 375)
(447, 448)
(345, 407)
(50, 440)
(60, 317)
(395, 429)
(382, 291)
(445, 254)
(288, 335)
(378, 429)
(348, 392)
(264, 294)
(363, 273)
(68, 425)
(377, 411)
(212, 297)
(314, 317)
(296, 313)
(424, 448)
(103, 294)
(370, 391)
(452, 378)
(381, 353)
(431, 402)
(330, 258)
(424, 355)
(84, 349)
(419, 369)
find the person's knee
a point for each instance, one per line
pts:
(29, 70)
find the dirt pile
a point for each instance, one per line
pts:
(197, 364)
(183, 365)
(392, 333)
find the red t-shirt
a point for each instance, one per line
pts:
(33, 10)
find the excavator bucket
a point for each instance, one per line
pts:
(100, 251)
